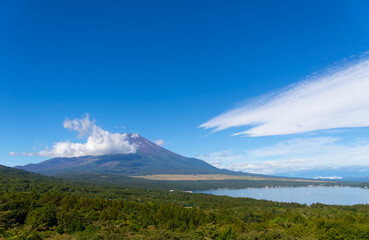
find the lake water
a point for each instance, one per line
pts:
(304, 195)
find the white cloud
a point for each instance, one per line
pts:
(223, 159)
(159, 142)
(333, 100)
(296, 146)
(296, 155)
(98, 142)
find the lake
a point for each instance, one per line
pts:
(303, 195)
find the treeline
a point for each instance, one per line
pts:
(29, 215)
(38, 207)
(34, 216)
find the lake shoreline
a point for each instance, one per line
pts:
(330, 195)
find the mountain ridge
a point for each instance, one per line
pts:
(148, 159)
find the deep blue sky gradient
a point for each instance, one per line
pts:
(159, 68)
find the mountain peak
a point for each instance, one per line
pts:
(132, 135)
(143, 145)
(149, 158)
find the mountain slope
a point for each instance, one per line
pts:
(148, 159)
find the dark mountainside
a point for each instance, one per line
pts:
(148, 159)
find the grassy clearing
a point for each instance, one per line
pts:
(196, 177)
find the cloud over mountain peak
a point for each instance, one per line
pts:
(98, 141)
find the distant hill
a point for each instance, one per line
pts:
(148, 159)
(16, 180)
(13, 173)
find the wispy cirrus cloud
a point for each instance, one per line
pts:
(98, 141)
(332, 100)
(295, 155)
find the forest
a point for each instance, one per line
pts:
(33, 206)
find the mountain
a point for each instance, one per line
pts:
(148, 159)
(13, 173)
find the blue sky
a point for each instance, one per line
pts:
(164, 68)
